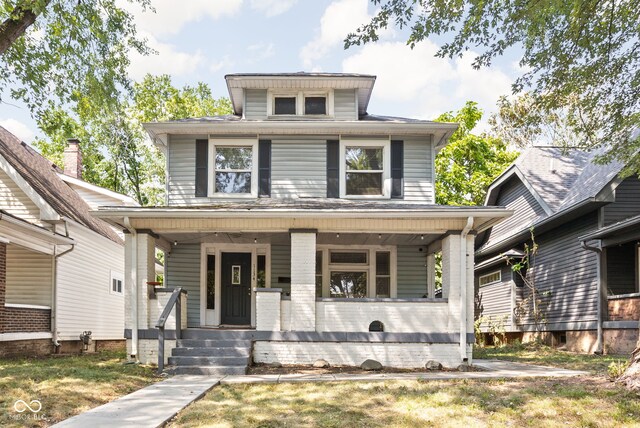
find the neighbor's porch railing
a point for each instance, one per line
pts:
(174, 300)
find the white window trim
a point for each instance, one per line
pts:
(480, 284)
(299, 95)
(228, 142)
(386, 172)
(117, 276)
(328, 267)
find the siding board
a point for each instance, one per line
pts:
(14, 201)
(255, 107)
(411, 272)
(29, 277)
(627, 203)
(281, 266)
(299, 168)
(345, 104)
(418, 173)
(183, 270)
(493, 301)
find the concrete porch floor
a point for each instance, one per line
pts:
(156, 404)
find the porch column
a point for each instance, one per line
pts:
(303, 281)
(431, 276)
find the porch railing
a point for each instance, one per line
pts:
(174, 300)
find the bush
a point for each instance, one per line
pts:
(617, 369)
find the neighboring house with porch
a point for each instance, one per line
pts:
(308, 227)
(61, 270)
(585, 222)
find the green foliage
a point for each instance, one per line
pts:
(617, 369)
(580, 59)
(468, 165)
(117, 153)
(74, 52)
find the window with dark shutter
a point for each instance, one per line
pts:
(333, 172)
(264, 168)
(397, 168)
(202, 173)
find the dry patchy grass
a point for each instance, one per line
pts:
(591, 402)
(66, 385)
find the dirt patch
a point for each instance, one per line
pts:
(263, 369)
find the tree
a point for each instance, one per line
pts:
(469, 163)
(117, 153)
(55, 53)
(582, 58)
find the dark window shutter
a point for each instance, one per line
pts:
(264, 168)
(333, 169)
(397, 168)
(202, 170)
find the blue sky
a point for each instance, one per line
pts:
(202, 40)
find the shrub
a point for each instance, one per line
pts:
(617, 368)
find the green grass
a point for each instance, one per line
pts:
(65, 385)
(587, 401)
(545, 355)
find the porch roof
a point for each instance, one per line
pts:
(14, 230)
(618, 233)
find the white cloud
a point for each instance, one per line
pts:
(272, 7)
(18, 129)
(419, 85)
(170, 16)
(339, 19)
(168, 60)
(260, 51)
(225, 62)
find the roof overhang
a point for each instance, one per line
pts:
(499, 259)
(618, 233)
(159, 131)
(126, 200)
(237, 83)
(16, 231)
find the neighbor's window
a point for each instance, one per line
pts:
(490, 278)
(233, 169)
(364, 171)
(284, 105)
(348, 284)
(116, 284)
(315, 105)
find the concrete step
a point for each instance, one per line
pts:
(202, 343)
(211, 351)
(208, 370)
(209, 361)
(210, 334)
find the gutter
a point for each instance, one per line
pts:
(133, 281)
(463, 288)
(600, 310)
(54, 294)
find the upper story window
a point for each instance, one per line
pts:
(300, 103)
(234, 171)
(366, 169)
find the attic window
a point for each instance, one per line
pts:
(315, 105)
(284, 105)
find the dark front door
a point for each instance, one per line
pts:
(236, 288)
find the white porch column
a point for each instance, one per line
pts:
(451, 271)
(470, 292)
(303, 281)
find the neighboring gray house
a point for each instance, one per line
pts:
(586, 269)
(305, 226)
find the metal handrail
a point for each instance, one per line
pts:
(174, 300)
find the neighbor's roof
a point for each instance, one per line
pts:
(238, 82)
(42, 175)
(560, 180)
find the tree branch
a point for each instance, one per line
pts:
(21, 18)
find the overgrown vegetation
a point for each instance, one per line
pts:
(66, 386)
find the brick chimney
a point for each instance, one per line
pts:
(73, 159)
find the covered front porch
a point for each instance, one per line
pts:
(333, 285)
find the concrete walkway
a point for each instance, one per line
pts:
(156, 404)
(152, 406)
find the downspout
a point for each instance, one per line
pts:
(54, 292)
(600, 333)
(133, 280)
(463, 288)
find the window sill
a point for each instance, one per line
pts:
(381, 300)
(299, 117)
(22, 306)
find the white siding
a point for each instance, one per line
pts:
(14, 201)
(255, 104)
(96, 199)
(84, 283)
(299, 168)
(418, 172)
(29, 277)
(345, 104)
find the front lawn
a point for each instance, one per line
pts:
(65, 385)
(588, 401)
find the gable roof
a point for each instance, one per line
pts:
(561, 180)
(42, 175)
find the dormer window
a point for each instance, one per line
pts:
(300, 103)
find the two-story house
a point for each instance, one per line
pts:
(308, 227)
(585, 272)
